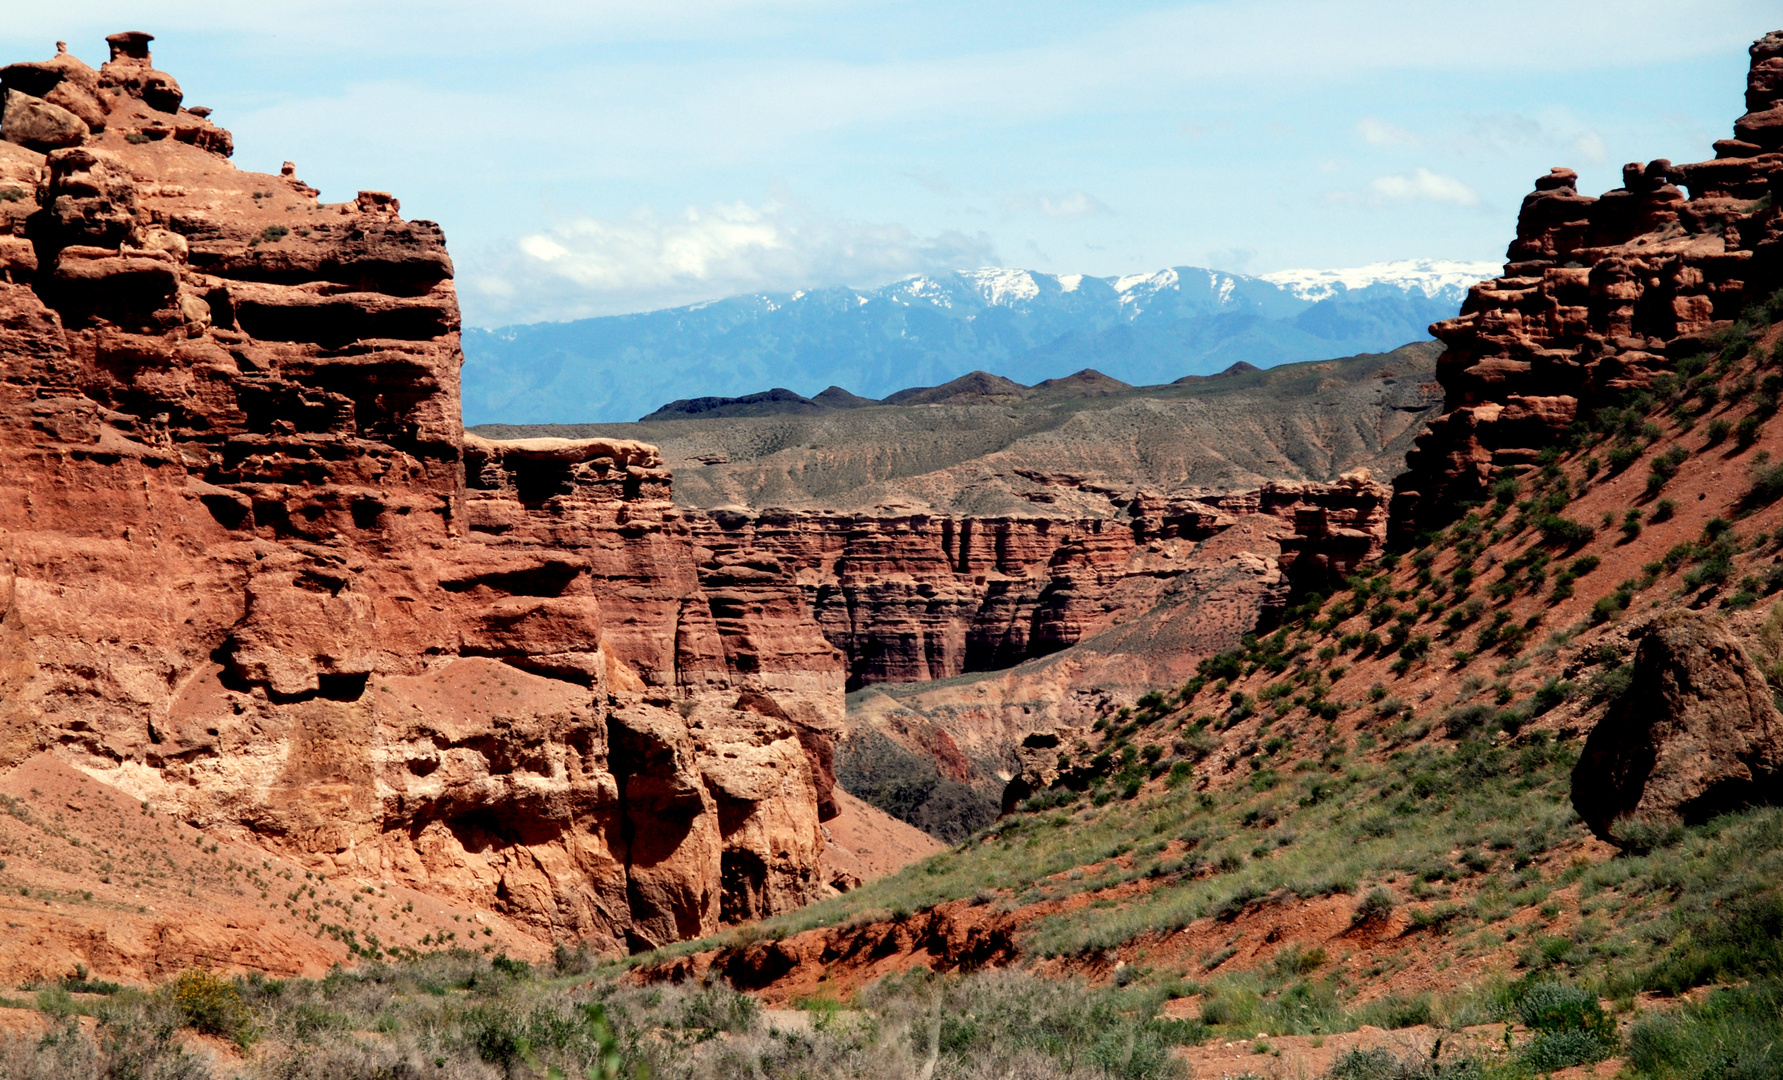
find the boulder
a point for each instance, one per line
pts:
(1695, 735)
(34, 122)
(63, 81)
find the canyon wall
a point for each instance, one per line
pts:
(1600, 296)
(917, 597)
(254, 573)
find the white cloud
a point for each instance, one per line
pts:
(1424, 186)
(1380, 133)
(645, 260)
(1590, 147)
(1070, 204)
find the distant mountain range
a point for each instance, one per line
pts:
(1142, 329)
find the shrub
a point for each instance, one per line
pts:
(1767, 483)
(1750, 427)
(719, 1008)
(1376, 906)
(1742, 940)
(1570, 1027)
(1559, 531)
(1226, 665)
(1609, 684)
(1714, 570)
(1621, 457)
(1548, 695)
(212, 1004)
(1464, 720)
(1716, 433)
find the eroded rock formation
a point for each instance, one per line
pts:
(1601, 295)
(1695, 735)
(255, 573)
(917, 597)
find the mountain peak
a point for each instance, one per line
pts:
(977, 386)
(1432, 277)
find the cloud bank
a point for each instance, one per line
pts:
(602, 266)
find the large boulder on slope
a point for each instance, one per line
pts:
(1695, 735)
(34, 122)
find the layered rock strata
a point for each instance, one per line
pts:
(254, 572)
(917, 597)
(1599, 296)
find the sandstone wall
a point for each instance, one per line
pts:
(916, 597)
(1601, 295)
(252, 570)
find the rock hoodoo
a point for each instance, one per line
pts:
(1695, 735)
(1601, 295)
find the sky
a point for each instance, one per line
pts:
(599, 157)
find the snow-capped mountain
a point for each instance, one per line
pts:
(1435, 278)
(928, 329)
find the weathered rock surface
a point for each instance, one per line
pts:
(918, 597)
(1695, 735)
(254, 573)
(1600, 296)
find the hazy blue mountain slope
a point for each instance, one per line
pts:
(924, 331)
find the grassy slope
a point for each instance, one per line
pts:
(1410, 739)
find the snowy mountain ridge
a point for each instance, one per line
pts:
(927, 329)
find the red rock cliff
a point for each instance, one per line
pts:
(911, 598)
(253, 570)
(1601, 295)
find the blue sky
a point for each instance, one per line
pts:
(600, 157)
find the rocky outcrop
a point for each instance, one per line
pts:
(254, 572)
(917, 597)
(1601, 295)
(1695, 735)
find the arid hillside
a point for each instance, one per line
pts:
(987, 447)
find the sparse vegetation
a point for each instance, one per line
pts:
(458, 1016)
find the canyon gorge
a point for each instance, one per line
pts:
(259, 582)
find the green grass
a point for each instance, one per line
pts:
(458, 1016)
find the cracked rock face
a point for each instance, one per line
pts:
(1695, 735)
(253, 570)
(1601, 295)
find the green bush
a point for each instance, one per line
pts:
(212, 1004)
(1570, 1027)
(1767, 484)
(1376, 906)
(1751, 426)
